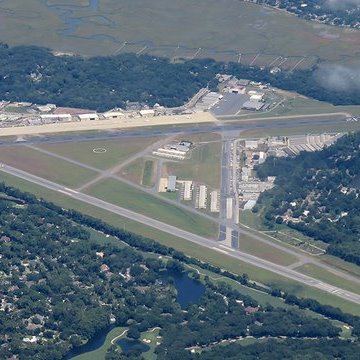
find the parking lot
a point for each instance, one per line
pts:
(230, 104)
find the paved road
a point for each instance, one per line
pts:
(225, 192)
(250, 259)
(195, 128)
(110, 173)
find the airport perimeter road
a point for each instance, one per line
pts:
(250, 259)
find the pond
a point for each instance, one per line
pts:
(189, 291)
(95, 343)
(128, 345)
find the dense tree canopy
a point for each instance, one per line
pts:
(334, 12)
(34, 74)
(317, 193)
(61, 286)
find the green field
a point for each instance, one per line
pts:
(203, 166)
(45, 166)
(181, 27)
(134, 171)
(294, 104)
(148, 173)
(351, 268)
(100, 353)
(116, 334)
(330, 278)
(117, 150)
(141, 171)
(191, 249)
(301, 129)
(265, 251)
(128, 197)
(152, 336)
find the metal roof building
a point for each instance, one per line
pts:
(171, 183)
(253, 105)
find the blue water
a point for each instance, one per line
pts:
(66, 14)
(127, 345)
(96, 342)
(189, 291)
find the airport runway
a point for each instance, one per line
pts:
(238, 125)
(250, 259)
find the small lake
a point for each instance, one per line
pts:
(128, 345)
(189, 291)
(96, 342)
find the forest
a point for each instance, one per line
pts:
(317, 193)
(34, 74)
(60, 287)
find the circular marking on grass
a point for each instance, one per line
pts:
(99, 151)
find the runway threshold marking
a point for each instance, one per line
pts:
(71, 190)
(226, 247)
(220, 250)
(65, 192)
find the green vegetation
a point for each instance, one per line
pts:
(141, 79)
(203, 165)
(134, 171)
(193, 250)
(254, 247)
(128, 197)
(151, 335)
(306, 106)
(122, 283)
(117, 151)
(342, 13)
(293, 105)
(148, 173)
(45, 166)
(273, 33)
(318, 192)
(249, 219)
(341, 264)
(301, 130)
(328, 277)
(99, 354)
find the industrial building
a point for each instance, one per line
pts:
(46, 108)
(296, 144)
(163, 184)
(51, 118)
(251, 144)
(201, 199)
(171, 185)
(207, 101)
(87, 117)
(214, 201)
(170, 153)
(113, 115)
(176, 151)
(253, 105)
(186, 189)
(147, 113)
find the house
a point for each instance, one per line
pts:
(104, 268)
(251, 310)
